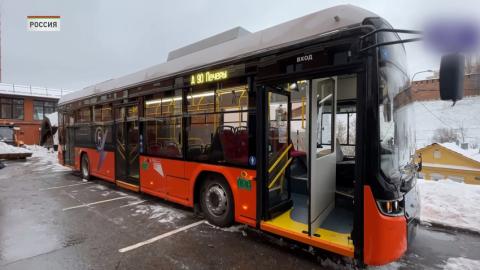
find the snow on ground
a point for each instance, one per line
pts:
(233, 228)
(45, 157)
(450, 203)
(391, 266)
(461, 263)
(158, 212)
(10, 149)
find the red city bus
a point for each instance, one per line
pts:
(297, 130)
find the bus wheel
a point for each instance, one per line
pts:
(85, 167)
(216, 201)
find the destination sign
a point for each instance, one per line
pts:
(208, 77)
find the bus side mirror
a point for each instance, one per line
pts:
(452, 71)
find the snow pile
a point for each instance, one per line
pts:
(450, 203)
(470, 152)
(47, 159)
(43, 153)
(9, 149)
(461, 263)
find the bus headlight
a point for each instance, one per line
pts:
(391, 208)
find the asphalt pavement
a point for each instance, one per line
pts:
(51, 219)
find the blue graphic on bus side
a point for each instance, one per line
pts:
(252, 160)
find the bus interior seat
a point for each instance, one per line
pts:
(227, 140)
(241, 138)
(171, 149)
(154, 149)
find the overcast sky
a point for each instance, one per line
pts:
(103, 39)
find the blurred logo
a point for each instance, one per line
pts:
(43, 23)
(452, 36)
(100, 138)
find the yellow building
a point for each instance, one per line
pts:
(448, 160)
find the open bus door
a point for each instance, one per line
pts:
(321, 151)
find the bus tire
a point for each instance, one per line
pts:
(85, 167)
(216, 201)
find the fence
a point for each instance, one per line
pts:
(28, 90)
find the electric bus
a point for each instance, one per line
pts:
(299, 130)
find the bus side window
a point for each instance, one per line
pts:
(163, 124)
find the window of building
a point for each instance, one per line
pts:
(11, 108)
(163, 124)
(217, 123)
(42, 108)
(17, 109)
(437, 154)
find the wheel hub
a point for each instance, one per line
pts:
(216, 200)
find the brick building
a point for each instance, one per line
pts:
(22, 109)
(430, 90)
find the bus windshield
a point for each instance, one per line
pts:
(397, 133)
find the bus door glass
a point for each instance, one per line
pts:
(278, 146)
(321, 155)
(69, 155)
(127, 144)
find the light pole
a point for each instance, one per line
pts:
(423, 71)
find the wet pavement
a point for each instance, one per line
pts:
(51, 219)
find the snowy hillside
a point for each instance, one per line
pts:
(431, 115)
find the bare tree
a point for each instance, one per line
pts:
(442, 135)
(462, 131)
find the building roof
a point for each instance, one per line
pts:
(472, 154)
(31, 91)
(301, 29)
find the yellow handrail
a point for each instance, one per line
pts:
(303, 112)
(280, 173)
(279, 158)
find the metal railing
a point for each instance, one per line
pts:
(28, 90)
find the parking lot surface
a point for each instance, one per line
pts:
(52, 219)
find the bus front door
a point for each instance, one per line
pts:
(127, 135)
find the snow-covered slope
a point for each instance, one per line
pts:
(431, 115)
